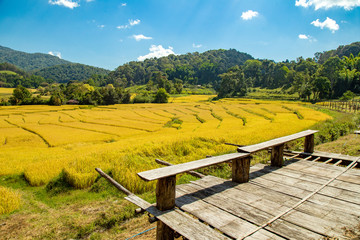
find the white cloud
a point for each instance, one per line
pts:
(328, 23)
(196, 45)
(140, 37)
(131, 23)
(66, 3)
(56, 54)
(248, 15)
(134, 22)
(101, 26)
(90, 0)
(123, 4)
(307, 37)
(326, 4)
(157, 51)
(303, 36)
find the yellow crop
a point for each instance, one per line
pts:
(42, 141)
(9, 200)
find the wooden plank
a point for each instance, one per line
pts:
(195, 174)
(189, 166)
(270, 207)
(260, 169)
(224, 221)
(275, 142)
(318, 169)
(328, 155)
(247, 212)
(179, 221)
(241, 170)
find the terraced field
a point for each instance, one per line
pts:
(41, 141)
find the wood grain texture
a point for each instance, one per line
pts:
(241, 170)
(277, 156)
(309, 144)
(189, 166)
(275, 142)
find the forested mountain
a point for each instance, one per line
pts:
(70, 72)
(29, 61)
(193, 68)
(341, 51)
(12, 76)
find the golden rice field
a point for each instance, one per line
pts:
(43, 141)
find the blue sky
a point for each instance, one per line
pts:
(109, 33)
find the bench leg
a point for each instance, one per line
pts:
(240, 170)
(309, 144)
(277, 156)
(165, 200)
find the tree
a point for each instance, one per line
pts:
(322, 87)
(20, 96)
(178, 85)
(161, 96)
(232, 83)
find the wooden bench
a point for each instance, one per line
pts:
(166, 180)
(277, 146)
(166, 176)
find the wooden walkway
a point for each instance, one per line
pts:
(312, 195)
(273, 204)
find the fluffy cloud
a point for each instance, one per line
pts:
(307, 37)
(196, 45)
(134, 22)
(326, 4)
(248, 15)
(157, 51)
(66, 3)
(56, 54)
(123, 4)
(140, 37)
(328, 23)
(131, 23)
(303, 36)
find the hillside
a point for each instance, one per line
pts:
(341, 51)
(72, 71)
(29, 61)
(193, 68)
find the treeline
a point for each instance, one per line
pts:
(12, 76)
(192, 68)
(75, 92)
(310, 79)
(70, 72)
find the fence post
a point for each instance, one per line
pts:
(165, 200)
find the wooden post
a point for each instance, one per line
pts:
(277, 155)
(241, 170)
(165, 200)
(309, 144)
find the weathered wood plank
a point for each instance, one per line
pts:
(260, 169)
(181, 222)
(224, 221)
(328, 155)
(241, 210)
(189, 166)
(275, 142)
